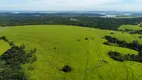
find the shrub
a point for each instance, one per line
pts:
(66, 68)
(4, 38)
(86, 38)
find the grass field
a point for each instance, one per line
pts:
(3, 47)
(132, 27)
(59, 45)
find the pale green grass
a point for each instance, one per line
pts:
(132, 27)
(85, 57)
(127, 36)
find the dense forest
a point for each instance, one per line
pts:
(85, 21)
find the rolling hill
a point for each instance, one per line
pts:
(79, 48)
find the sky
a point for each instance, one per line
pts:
(71, 5)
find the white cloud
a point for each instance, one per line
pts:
(138, 0)
(71, 4)
(76, 2)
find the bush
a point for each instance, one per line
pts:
(66, 68)
(11, 43)
(4, 38)
(86, 38)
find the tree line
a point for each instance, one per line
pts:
(93, 22)
(121, 57)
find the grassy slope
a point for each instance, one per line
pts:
(3, 47)
(85, 57)
(133, 27)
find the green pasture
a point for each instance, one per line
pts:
(59, 45)
(132, 27)
(3, 46)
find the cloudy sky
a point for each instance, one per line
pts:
(69, 5)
